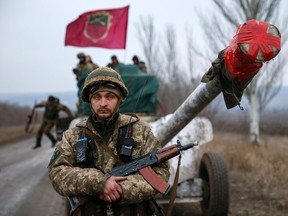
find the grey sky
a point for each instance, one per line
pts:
(32, 52)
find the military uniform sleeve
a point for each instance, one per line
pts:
(136, 188)
(65, 109)
(66, 178)
(41, 104)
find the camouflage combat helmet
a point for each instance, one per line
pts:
(100, 76)
(51, 98)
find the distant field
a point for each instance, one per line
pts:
(14, 133)
(258, 175)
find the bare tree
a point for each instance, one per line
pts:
(170, 52)
(173, 74)
(172, 78)
(150, 44)
(225, 17)
(193, 61)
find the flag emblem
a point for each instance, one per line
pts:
(97, 26)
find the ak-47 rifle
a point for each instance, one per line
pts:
(142, 164)
(30, 118)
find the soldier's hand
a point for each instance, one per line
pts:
(112, 190)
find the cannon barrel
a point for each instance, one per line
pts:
(231, 72)
(195, 103)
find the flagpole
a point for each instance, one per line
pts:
(125, 52)
(125, 55)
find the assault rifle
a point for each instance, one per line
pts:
(30, 118)
(142, 164)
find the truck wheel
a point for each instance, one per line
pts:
(214, 175)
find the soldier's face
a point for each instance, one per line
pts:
(104, 104)
(114, 61)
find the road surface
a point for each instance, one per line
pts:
(25, 189)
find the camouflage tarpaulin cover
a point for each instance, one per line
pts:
(142, 87)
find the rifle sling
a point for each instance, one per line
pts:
(174, 188)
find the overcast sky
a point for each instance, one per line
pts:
(33, 57)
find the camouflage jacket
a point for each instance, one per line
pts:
(141, 65)
(84, 67)
(70, 180)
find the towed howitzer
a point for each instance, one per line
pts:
(142, 164)
(223, 77)
(230, 73)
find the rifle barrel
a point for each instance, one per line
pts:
(188, 146)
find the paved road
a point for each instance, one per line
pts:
(25, 189)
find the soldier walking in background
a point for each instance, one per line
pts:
(140, 64)
(105, 139)
(51, 114)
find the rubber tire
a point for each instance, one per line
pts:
(214, 174)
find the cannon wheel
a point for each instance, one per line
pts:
(214, 174)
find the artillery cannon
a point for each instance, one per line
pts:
(230, 73)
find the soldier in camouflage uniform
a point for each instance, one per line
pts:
(96, 190)
(140, 64)
(114, 62)
(52, 109)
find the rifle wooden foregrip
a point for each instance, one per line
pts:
(154, 180)
(167, 154)
(167, 148)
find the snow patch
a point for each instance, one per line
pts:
(200, 130)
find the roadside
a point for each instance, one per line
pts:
(24, 183)
(15, 133)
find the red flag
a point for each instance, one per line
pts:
(100, 28)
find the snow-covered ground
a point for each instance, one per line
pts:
(198, 130)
